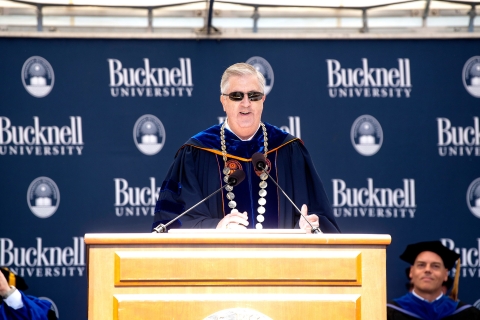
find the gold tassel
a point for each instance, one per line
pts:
(454, 292)
(12, 281)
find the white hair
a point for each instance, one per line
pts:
(240, 70)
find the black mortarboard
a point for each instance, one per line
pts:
(413, 250)
(14, 280)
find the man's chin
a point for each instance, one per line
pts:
(247, 124)
(244, 130)
(245, 119)
(427, 289)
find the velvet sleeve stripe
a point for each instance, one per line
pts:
(172, 186)
(169, 206)
(403, 310)
(462, 308)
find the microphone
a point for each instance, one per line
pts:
(235, 178)
(259, 162)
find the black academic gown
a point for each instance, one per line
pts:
(459, 311)
(197, 172)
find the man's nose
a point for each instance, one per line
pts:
(245, 101)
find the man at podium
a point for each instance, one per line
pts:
(203, 165)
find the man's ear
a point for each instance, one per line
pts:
(446, 275)
(222, 102)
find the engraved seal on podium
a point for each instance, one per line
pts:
(238, 314)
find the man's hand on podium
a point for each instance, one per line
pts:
(234, 220)
(313, 218)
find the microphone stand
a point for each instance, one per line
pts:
(260, 164)
(234, 179)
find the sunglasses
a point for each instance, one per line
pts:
(238, 96)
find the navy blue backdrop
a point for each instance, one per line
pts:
(89, 127)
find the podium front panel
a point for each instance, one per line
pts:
(235, 267)
(237, 306)
(198, 276)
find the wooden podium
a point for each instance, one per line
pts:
(245, 275)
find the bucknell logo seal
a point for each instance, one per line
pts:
(43, 197)
(37, 76)
(149, 134)
(471, 76)
(264, 68)
(238, 313)
(473, 197)
(366, 135)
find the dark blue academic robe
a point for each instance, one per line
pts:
(197, 172)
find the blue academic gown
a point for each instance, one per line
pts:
(33, 309)
(196, 172)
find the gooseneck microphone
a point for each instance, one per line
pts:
(235, 178)
(259, 162)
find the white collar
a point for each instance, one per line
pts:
(416, 295)
(228, 127)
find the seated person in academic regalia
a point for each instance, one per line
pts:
(203, 163)
(430, 262)
(15, 305)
